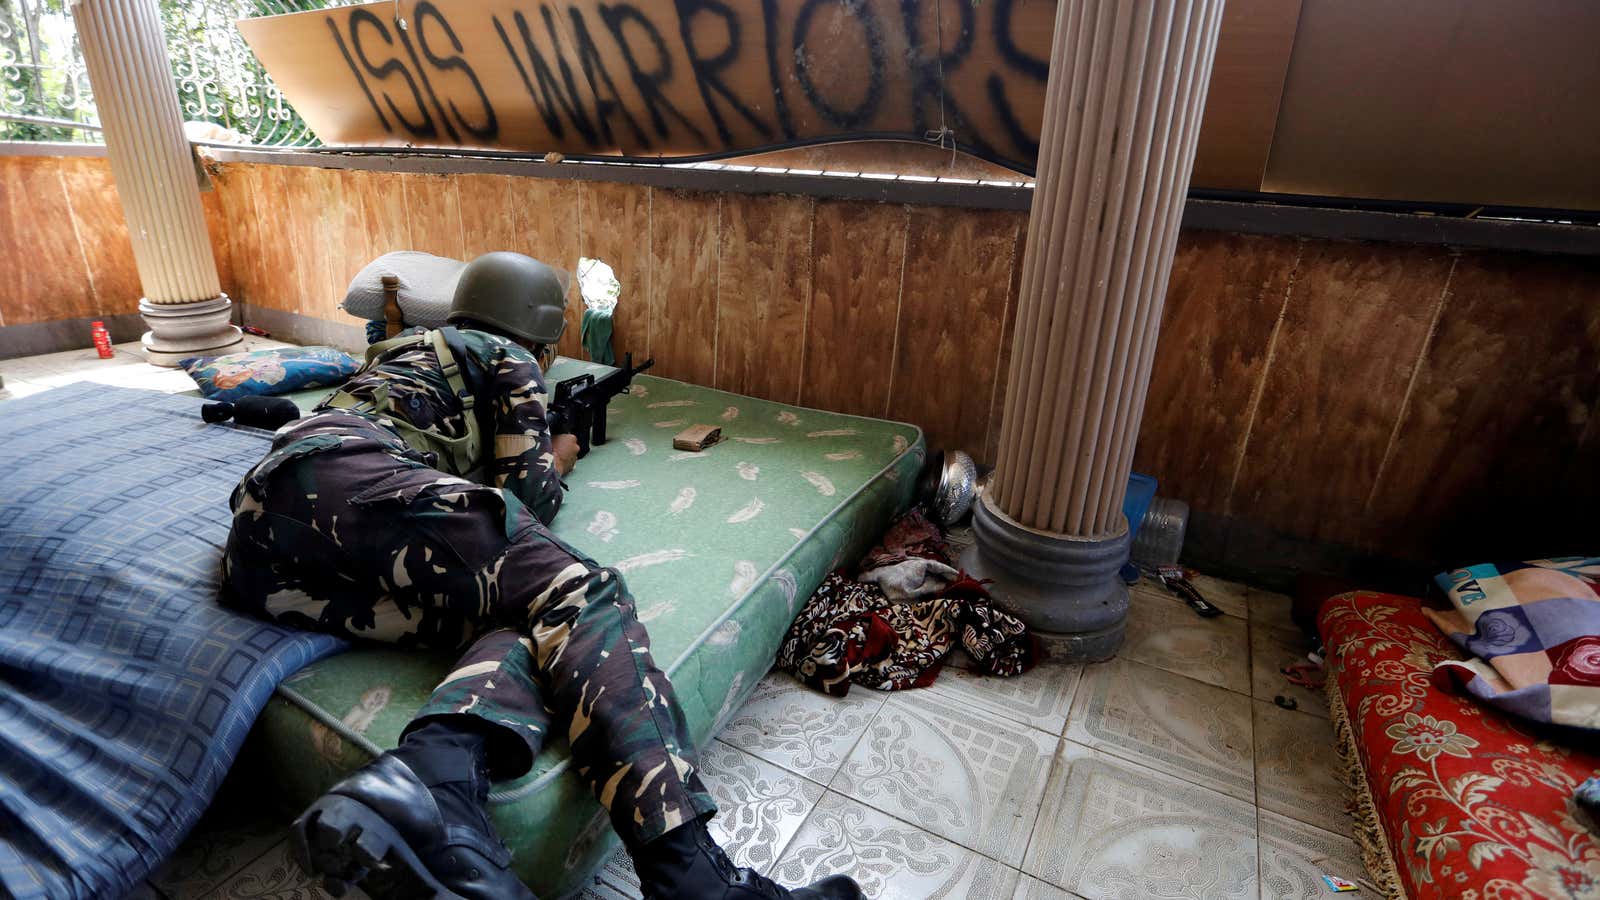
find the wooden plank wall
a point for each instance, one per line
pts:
(1399, 399)
(873, 309)
(64, 247)
(1410, 401)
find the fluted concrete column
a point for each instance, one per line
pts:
(1123, 104)
(183, 302)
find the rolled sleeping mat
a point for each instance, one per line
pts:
(270, 413)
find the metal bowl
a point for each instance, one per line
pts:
(958, 485)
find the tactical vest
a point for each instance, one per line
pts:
(463, 454)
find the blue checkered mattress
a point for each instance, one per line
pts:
(125, 691)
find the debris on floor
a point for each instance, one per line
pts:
(1176, 580)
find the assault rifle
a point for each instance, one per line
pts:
(579, 405)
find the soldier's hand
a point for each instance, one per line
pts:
(565, 447)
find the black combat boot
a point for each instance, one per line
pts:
(686, 863)
(412, 824)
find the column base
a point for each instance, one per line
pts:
(179, 331)
(1066, 589)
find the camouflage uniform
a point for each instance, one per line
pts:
(345, 528)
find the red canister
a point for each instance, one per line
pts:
(102, 339)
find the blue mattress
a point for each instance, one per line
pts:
(125, 691)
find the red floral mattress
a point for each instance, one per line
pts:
(1454, 799)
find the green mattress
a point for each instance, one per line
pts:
(719, 548)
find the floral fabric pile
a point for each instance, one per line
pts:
(893, 625)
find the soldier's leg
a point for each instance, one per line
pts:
(415, 822)
(339, 539)
(321, 540)
(398, 557)
(493, 683)
(630, 744)
(590, 660)
(360, 541)
(449, 554)
(484, 721)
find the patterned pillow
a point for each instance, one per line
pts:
(269, 372)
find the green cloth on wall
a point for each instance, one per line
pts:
(597, 337)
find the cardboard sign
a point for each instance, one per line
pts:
(672, 78)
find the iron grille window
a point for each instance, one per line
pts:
(45, 93)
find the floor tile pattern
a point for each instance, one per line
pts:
(761, 806)
(1040, 700)
(1113, 829)
(1295, 773)
(891, 859)
(964, 776)
(1181, 726)
(797, 728)
(1270, 651)
(1031, 888)
(1295, 856)
(1164, 632)
(1275, 642)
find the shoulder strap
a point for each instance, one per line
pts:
(463, 376)
(385, 347)
(342, 399)
(447, 344)
(466, 376)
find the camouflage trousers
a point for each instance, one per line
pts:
(344, 529)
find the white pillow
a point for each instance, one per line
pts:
(427, 286)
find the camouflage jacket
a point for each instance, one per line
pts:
(520, 460)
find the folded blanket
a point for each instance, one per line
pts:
(125, 689)
(894, 626)
(1533, 632)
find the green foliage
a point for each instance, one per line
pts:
(32, 80)
(217, 78)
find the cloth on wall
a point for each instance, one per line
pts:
(596, 334)
(601, 292)
(894, 625)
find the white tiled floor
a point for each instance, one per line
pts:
(1168, 772)
(127, 368)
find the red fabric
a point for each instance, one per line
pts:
(1474, 804)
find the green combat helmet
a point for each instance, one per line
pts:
(515, 294)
